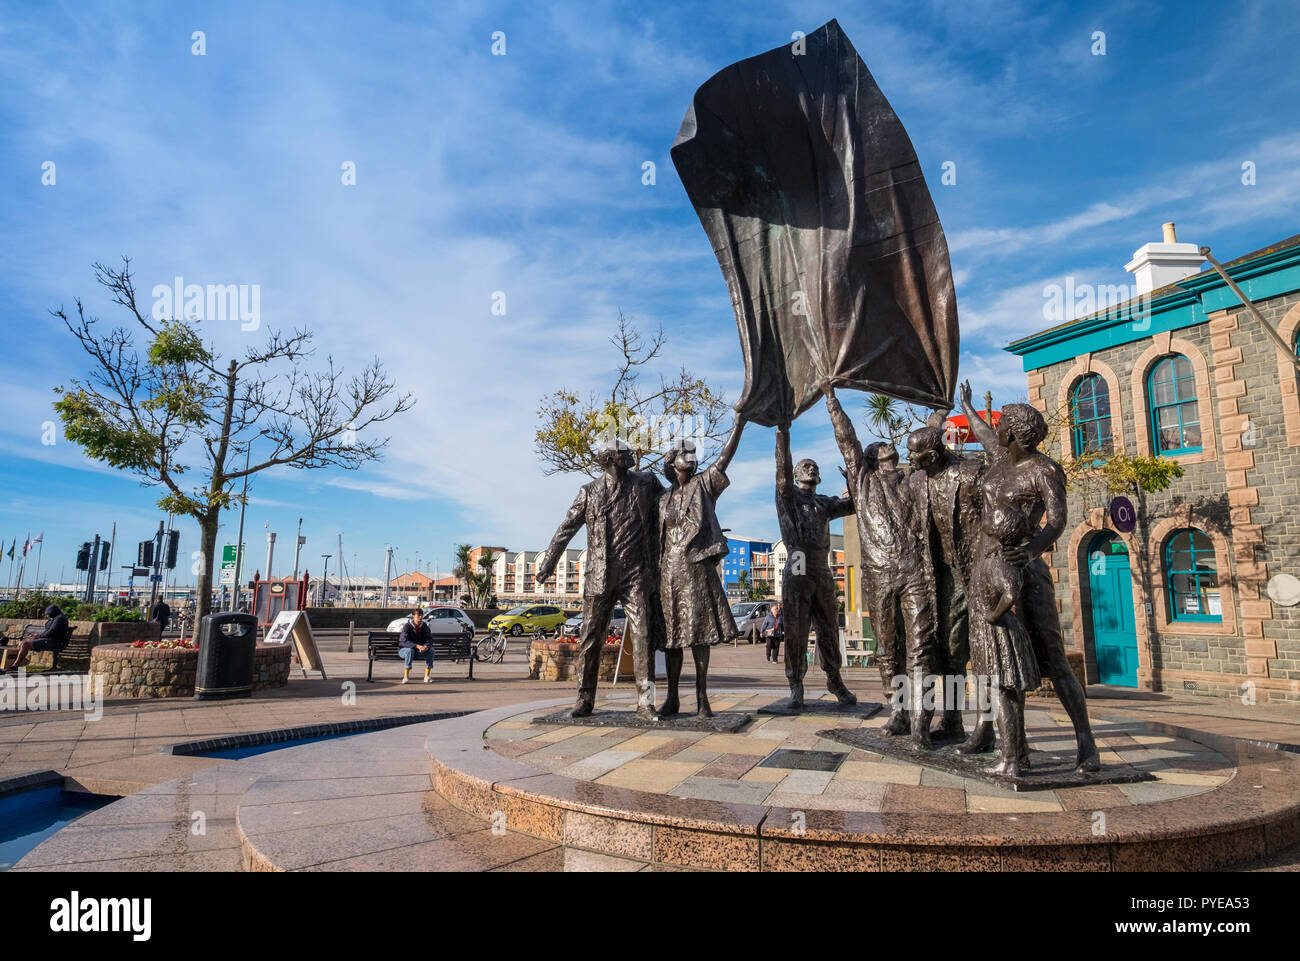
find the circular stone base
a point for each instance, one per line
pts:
(778, 796)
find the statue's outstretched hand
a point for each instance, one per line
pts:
(964, 393)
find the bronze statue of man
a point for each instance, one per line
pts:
(620, 510)
(1019, 475)
(944, 488)
(808, 583)
(895, 586)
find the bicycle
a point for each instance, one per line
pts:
(492, 648)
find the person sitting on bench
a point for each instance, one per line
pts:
(416, 638)
(53, 637)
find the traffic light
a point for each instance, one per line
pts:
(173, 541)
(103, 554)
(144, 554)
(83, 557)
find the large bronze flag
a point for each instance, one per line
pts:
(810, 191)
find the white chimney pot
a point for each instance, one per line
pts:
(1157, 265)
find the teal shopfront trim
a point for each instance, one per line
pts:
(1189, 304)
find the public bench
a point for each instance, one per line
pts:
(382, 646)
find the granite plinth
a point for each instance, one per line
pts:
(862, 710)
(1048, 770)
(726, 722)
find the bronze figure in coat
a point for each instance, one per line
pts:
(696, 613)
(621, 514)
(807, 582)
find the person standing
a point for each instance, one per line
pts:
(621, 513)
(807, 582)
(162, 613)
(774, 633)
(416, 638)
(696, 613)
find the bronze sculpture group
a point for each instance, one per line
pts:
(839, 276)
(951, 570)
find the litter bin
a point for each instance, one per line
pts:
(225, 669)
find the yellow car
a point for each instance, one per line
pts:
(528, 618)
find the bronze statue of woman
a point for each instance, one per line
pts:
(695, 606)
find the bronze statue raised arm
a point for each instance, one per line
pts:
(1022, 479)
(895, 585)
(620, 511)
(696, 613)
(807, 582)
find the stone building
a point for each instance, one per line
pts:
(1197, 596)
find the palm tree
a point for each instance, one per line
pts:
(464, 569)
(884, 417)
(481, 590)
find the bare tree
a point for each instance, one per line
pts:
(570, 431)
(155, 412)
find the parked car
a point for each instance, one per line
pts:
(441, 620)
(749, 618)
(573, 626)
(528, 617)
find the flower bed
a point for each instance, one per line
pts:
(558, 660)
(169, 670)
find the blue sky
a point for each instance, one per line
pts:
(522, 173)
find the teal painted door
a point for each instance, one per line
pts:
(1114, 628)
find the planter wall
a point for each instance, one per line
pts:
(94, 632)
(558, 661)
(169, 672)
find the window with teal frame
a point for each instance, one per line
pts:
(1192, 578)
(1175, 412)
(1090, 416)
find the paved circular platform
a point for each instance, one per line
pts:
(776, 796)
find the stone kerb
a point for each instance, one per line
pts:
(1243, 822)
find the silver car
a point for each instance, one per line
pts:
(617, 623)
(749, 617)
(441, 620)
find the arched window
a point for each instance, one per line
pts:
(1090, 416)
(1175, 415)
(1192, 578)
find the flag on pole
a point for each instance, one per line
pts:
(12, 547)
(813, 198)
(39, 538)
(27, 545)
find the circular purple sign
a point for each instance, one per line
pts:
(1122, 515)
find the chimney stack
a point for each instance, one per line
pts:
(1158, 265)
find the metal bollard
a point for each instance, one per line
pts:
(351, 626)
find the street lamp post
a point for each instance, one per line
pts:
(239, 541)
(324, 578)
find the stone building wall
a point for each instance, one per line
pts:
(1243, 490)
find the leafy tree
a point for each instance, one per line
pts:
(570, 430)
(889, 420)
(176, 417)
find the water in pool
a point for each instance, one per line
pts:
(28, 818)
